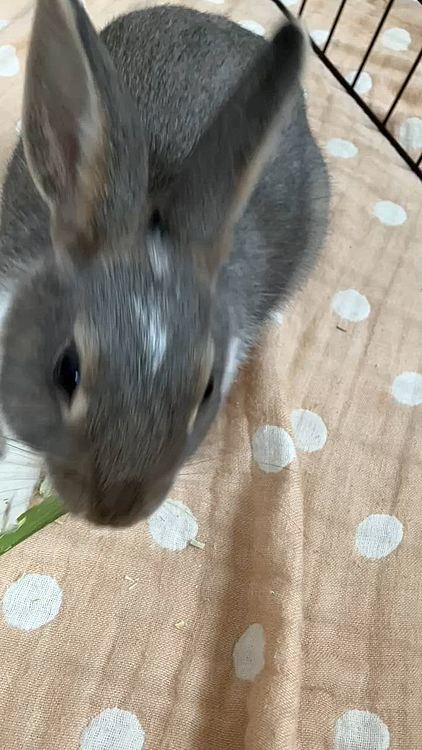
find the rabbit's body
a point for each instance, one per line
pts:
(177, 61)
(178, 67)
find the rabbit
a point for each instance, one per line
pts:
(165, 197)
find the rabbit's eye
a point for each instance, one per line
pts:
(67, 371)
(208, 390)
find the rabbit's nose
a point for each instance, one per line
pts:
(114, 506)
(121, 505)
(101, 516)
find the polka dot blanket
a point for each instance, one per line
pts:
(274, 601)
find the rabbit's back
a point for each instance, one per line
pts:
(179, 66)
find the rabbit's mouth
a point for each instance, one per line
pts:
(123, 507)
(118, 505)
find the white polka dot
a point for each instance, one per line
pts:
(3, 23)
(113, 729)
(363, 84)
(173, 525)
(378, 536)
(253, 26)
(290, 3)
(319, 36)
(351, 305)
(9, 63)
(341, 149)
(249, 653)
(32, 601)
(389, 213)
(273, 448)
(396, 39)
(309, 430)
(411, 133)
(361, 730)
(407, 388)
(18, 127)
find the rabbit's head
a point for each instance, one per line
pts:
(111, 367)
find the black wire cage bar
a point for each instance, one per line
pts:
(381, 121)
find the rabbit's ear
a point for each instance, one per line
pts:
(70, 91)
(218, 178)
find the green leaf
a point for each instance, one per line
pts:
(31, 521)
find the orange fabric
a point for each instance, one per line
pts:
(153, 631)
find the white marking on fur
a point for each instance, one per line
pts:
(232, 365)
(157, 337)
(192, 419)
(158, 256)
(149, 316)
(5, 300)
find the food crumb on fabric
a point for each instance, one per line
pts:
(133, 582)
(197, 544)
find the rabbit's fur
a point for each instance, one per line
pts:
(174, 198)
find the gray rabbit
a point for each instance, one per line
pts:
(165, 197)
